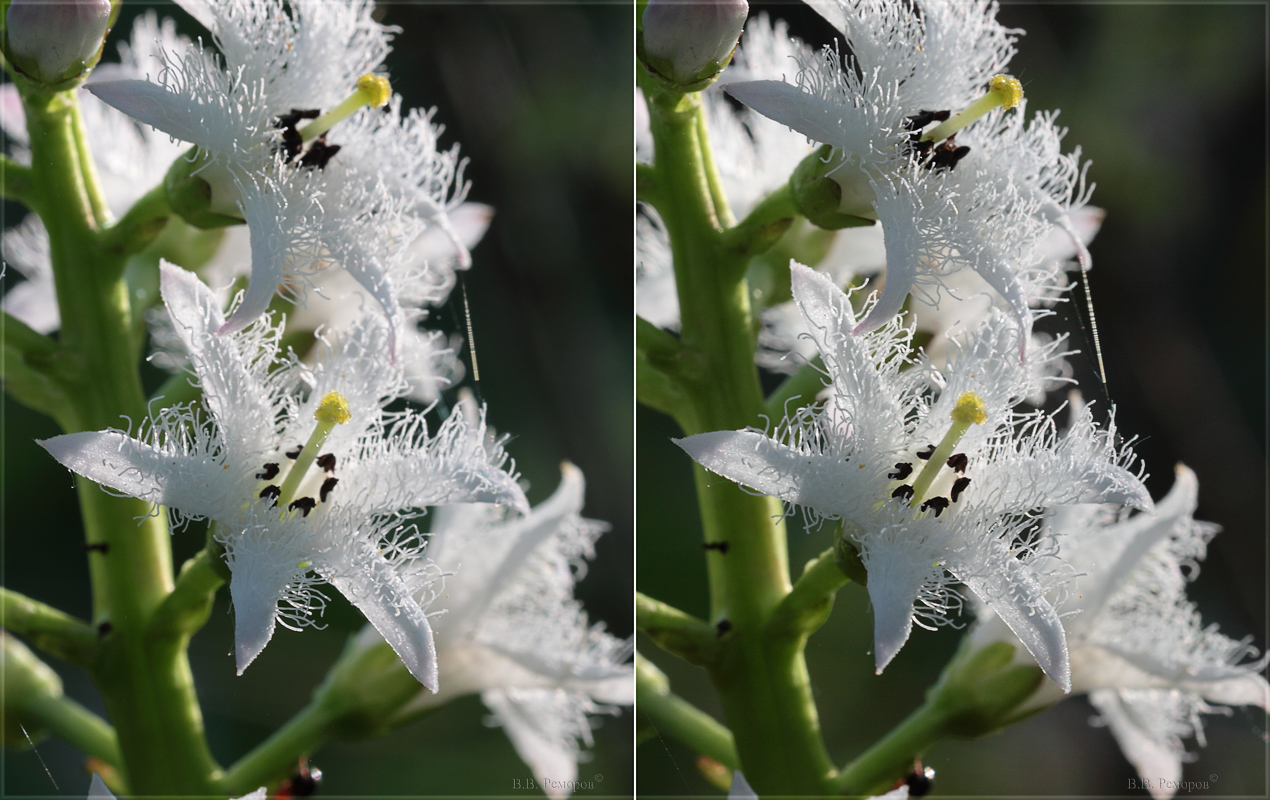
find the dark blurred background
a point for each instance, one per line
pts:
(1169, 102)
(539, 98)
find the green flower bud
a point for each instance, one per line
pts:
(831, 194)
(986, 689)
(27, 680)
(55, 42)
(689, 42)
(201, 194)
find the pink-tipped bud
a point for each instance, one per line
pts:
(690, 41)
(54, 41)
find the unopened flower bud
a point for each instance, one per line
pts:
(55, 42)
(689, 42)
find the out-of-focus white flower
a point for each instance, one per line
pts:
(303, 471)
(356, 200)
(513, 632)
(934, 475)
(1138, 647)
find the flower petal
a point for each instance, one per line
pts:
(193, 483)
(1011, 590)
(1156, 761)
(153, 105)
(812, 116)
(541, 731)
(755, 460)
(371, 583)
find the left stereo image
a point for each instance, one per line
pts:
(316, 348)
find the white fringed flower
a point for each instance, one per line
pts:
(1138, 647)
(1010, 185)
(514, 633)
(934, 475)
(356, 200)
(297, 504)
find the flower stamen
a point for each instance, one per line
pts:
(332, 411)
(969, 410)
(372, 90)
(1003, 91)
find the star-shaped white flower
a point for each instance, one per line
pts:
(908, 70)
(932, 472)
(513, 632)
(356, 200)
(1138, 647)
(303, 471)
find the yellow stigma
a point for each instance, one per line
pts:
(372, 90)
(970, 409)
(333, 410)
(378, 90)
(1009, 88)
(1003, 91)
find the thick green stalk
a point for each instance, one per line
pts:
(674, 716)
(149, 697)
(276, 756)
(49, 629)
(892, 756)
(16, 181)
(763, 684)
(70, 721)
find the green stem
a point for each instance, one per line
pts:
(149, 695)
(807, 607)
(763, 685)
(186, 609)
(676, 632)
(646, 184)
(272, 761)
(722, 209)
(88, 170)
(798, 390)
(17, 334)
(16, 181)
(673, 716)
(53, 631)
(891, 757)
(83, 729)
(763, 226)
(140, 226)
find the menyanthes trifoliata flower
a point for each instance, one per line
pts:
(1138, 647)
(933, 474)
(291, 137)
(897, 113)
(302, 470)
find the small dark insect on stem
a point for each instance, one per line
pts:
(722, 547)
(100, 547)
